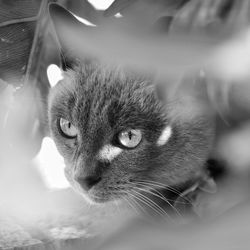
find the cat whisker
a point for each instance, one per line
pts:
(162, 198)
(160, 185)
(163, 186)
(129, 200)
(159, 193)
(138, 205)
(152, 189)
(147, 204)
(117, 206)
(89, 206)
(133, 186)
(151, 204)
(157, 186)
(179, 202)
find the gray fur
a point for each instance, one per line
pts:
(102, 101)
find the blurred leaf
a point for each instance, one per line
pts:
(143, 7)
(227, 70)
(146, 13)
(25, 52)
(84, 9)
(20, 29)
(230, 231)
(17, 26)
(214, 17)
(171, 55)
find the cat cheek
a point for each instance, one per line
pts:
(165, 136)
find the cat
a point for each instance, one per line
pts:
(118, 136)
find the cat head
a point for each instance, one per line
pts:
(116, 135)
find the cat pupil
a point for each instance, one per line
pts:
(130, 135)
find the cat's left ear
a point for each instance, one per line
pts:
(66, 25)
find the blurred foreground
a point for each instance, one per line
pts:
(203, 47)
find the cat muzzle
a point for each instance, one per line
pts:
(88, 182)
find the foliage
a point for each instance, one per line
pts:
(185, 41)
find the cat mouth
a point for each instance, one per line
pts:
(96, 197)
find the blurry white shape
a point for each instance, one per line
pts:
(84, 21)
(118, 15)
(101, 4)
(232, 60)
(51, 165)
(165, 135)
(54, 74)
(235, 149)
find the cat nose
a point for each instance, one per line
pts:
(88, 182)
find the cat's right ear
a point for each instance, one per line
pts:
(65, 25)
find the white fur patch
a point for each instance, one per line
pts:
(165, 135)
(54, 74)
(109, 152)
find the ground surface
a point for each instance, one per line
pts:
(60, 220)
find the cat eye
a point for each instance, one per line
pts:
(130, 138)
(67, 129)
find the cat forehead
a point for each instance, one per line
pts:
(92, 95)
(117, 103)
(104, 86)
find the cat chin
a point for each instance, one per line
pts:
(87, 198)
(96, 200)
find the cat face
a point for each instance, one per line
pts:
(115, 134)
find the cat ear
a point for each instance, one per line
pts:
(64, 22)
